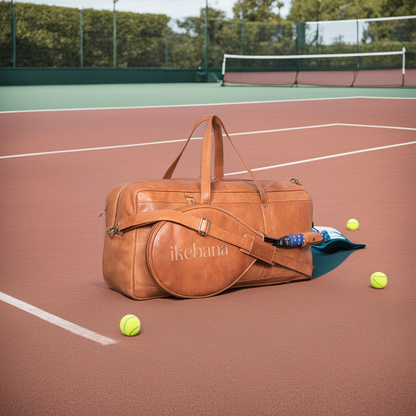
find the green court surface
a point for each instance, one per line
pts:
(23, 98)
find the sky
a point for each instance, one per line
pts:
(175, 9)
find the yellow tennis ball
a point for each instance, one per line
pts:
(378, 280)
(352, 224)
(130, 325)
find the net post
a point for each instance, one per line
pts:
(403, 66)
(223, 70)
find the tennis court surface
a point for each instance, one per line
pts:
(329, 346)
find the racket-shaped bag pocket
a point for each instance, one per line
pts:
(190, 263)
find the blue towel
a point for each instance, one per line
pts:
(337, 241)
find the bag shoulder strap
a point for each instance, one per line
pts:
(254, 247)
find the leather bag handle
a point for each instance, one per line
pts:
(214, 125)
(219, 154)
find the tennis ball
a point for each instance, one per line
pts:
(352, 224)
(378, 280)
(130, 325)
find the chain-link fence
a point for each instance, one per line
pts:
(362, 35)
(6, 35)
(49, 36)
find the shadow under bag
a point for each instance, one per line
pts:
(193, 238)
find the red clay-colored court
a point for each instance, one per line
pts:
(329, 346)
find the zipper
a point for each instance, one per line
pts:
(115, 229)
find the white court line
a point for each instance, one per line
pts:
(324, 125)
(323, 158)
(200, 138)
(69, 326)
(376, 127)
(205, 105)
(155, 143)
(96, 148)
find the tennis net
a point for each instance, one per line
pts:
(370, 69)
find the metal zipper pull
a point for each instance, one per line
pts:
(114, 230)
(294, 180)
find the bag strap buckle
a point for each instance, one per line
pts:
(204, 226)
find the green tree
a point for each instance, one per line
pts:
(279, 5)
(264, 32)
(398, 7)
(319, 10)
(141, 40)
(195, 26)
(191, 45)
(47, 36)
(257, 10)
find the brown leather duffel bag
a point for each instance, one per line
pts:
(198, 237)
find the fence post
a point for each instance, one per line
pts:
(317, 29)
(317, 38)
(114, 34)
(300, 28)
(206, 41)
(242, 35)
(358, 45)
(242, 28)
(14, 35)
(166, 50)
(81, 41)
